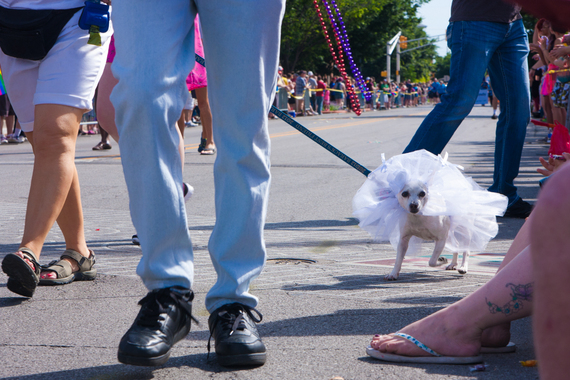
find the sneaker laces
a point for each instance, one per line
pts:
(155, 303)
(234, 316)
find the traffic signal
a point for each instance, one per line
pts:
(403, 42)
(384, 73)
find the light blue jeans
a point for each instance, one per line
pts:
(155, 53)
(476, 46)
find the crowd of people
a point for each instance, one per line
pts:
(149, 116)
(330, 93)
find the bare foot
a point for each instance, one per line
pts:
(49, 274)
(441, 331)
(26, 259)
(496, 336)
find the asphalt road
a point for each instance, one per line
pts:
(320, 309)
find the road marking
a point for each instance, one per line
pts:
(284, 134)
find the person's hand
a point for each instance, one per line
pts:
(108, 2)
(543, 42)
(553, 164)
(560, 51)
(534, 47)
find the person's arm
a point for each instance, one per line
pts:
(560, 51)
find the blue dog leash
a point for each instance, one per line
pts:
(286, 118)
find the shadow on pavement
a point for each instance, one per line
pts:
(127, 372)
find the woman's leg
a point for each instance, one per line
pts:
(456, 330)
(547, 105)
(54, 191)
(206, 117)
(105, 109)
(551, 264)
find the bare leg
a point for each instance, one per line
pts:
(551, 263)
(206, 117)
(547, 105)
(9, 125)
(558, 116)
(499, 336)
(54, 191)
(456, 330)
(105, 109)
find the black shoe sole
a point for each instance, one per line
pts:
(21, 277)
(245, 360)
(145, 362)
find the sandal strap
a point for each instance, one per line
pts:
(84, 263)
(62, 268)
(32, 257)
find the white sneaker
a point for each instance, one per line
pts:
(188, 191)
(3, 140)
(16, 140)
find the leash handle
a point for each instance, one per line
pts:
(286, 118)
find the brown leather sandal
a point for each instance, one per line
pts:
(22, 279)
(64, 270)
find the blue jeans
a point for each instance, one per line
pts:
(476, 46)
(155, 53)
(320, 104)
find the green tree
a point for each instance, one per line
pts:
(442, 65)
(369, 25)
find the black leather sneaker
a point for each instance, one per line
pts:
(520, 209)
(236, 337)
(163, 320)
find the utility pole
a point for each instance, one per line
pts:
(398, 63)
(389, 49)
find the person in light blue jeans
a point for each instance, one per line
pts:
(502, 48)
(155, 53)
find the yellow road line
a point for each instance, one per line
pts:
(284, 134)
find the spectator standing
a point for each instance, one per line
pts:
(503, 50)
(6, 115)
(312, 85)
(320, 95)
(300, 87)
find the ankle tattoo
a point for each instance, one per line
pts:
(519, 294)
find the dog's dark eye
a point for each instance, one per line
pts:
(405, 194)
(422, 194)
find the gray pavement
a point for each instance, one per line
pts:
(322, 294)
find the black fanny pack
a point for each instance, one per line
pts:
(30, 34)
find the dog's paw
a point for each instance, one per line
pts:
(440, 261)
(451, 267)
(391, 277)
(462, 270)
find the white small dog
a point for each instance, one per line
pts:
(413, 197)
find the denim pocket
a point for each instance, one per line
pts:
(448, 34)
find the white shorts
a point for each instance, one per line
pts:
(189, 102)
(67, 76)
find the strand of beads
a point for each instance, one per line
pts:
(354, 103)
(353, 99)
(348, 51)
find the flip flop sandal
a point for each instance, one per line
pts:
(435, 358)
(208, 152)
(508, 349)
(22, 279)
(202, 145)
(64, 271)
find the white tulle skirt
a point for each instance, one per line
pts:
(472, 209)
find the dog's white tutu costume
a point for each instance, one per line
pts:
(472, 209)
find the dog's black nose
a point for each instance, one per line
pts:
(414, 208)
